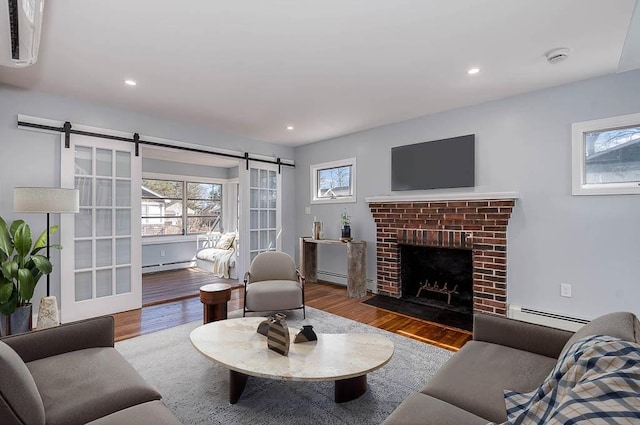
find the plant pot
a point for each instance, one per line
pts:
(16, 323)
(346, 233)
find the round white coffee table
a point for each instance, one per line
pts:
(343, 358)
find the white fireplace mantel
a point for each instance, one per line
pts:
(462, 196)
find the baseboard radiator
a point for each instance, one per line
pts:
(151, 268)
(544, 318)
(338, 278)
(332, 277)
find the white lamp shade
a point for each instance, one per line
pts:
(46, 200)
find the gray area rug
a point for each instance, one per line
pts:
(196, 390)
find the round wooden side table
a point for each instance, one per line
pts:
(214, 297)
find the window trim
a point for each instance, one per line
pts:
(579, 187)
(186, 237)
(314, 168)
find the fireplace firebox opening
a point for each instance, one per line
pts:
(439, 280)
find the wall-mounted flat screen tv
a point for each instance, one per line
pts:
(438, 164)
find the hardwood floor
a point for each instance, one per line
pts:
(333, 299)
(327, 297)
(175, 285)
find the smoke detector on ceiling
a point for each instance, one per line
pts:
(557, 55)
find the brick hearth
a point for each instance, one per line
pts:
(479, 225)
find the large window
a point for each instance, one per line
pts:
(333, 181)
(204, 207)
(606, 156)
(174, 207)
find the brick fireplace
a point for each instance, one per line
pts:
(477, 223)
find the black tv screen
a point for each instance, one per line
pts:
(439, 164)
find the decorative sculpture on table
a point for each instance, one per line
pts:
(317, 228)
(278, 335)
(263, 327)
(306, 334)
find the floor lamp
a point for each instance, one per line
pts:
(46, 200)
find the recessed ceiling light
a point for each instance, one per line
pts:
(290, 127)
(130, 82)
(473, 71)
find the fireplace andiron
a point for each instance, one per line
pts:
(437, 289)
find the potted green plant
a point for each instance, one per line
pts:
(22, 267)
(345, 219)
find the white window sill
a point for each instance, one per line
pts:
(340, 200)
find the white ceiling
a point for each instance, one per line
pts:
(327, 67)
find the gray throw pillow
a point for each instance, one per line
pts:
(621, 325)
(18, 390)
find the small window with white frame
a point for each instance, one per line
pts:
(333, 182)
(606, 156)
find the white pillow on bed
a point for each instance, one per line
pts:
(226, 240)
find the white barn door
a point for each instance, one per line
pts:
(101, 256)
(261, 204)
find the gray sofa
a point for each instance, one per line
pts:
(504, 354)
(72, 374)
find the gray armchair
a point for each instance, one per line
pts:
(272, 284)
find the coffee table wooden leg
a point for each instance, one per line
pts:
(350, 389)
(237, 381)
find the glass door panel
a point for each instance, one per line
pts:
(263, 210)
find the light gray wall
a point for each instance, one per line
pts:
(33, 159)
(523, 144)
(174, 252)
(151, 165)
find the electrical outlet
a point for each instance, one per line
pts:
(162, 253)
(307, 210)
(565, 290)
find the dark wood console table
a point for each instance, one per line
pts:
(356, 263)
